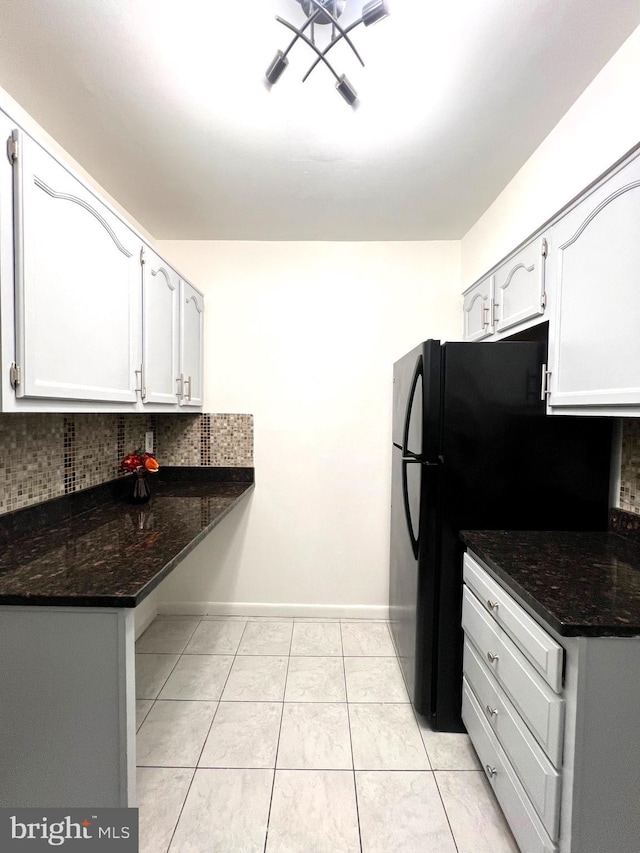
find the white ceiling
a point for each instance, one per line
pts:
(164, 102)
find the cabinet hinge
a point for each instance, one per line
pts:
(543, 301)
(12, 148)
(545, 248)
(14, 375)
(143, 259)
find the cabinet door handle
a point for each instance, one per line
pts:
(492, 658)
(544, 389)
(180, 383)
(492, 605)
(140, 382)
(491, 771)
(188, 382)
(491, 712)
(485, 317)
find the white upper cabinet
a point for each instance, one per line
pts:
(509, 299)
(191, 345)
(160, 330)
(478, 308)
(91, 318)
(519, 288)
(595, 267)
(77, 287)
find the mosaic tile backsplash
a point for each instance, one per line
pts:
(630, 467)
(44, 456)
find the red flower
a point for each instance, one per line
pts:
(137, 460)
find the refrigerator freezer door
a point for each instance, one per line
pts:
(404, 372)
(416, 401)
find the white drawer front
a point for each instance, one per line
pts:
(538, 776)
(520, 814)
(539, 706)
(532, 640)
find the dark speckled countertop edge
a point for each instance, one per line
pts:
(26, 534)
(514, 587)
(179, 557)
(593, 623)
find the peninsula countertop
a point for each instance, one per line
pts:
(99, 550)
(580, 583)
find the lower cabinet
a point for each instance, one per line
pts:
(68, 710)
(523, 819)
(554, 722)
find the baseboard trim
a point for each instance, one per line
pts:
(243, 608)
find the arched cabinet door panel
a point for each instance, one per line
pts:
(520, 286)
(191, 345)
(77, 286)
(160, 330)
(595, 264)
(478, 310)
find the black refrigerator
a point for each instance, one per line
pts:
(474, 449)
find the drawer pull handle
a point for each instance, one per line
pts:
(491, 712)
(492, 605)
(492, 658)
(491, 771)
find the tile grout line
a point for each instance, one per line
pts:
(193, 775)
(446, 813)
(180, 654)
(353, 762)
(188, 768)
(275, 758)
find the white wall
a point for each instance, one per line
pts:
(304, 335)
(602, 125)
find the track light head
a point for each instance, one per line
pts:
(374, 11)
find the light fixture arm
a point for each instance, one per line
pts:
(343, 32)
(330, 45)
(308, 41)
(309, 22)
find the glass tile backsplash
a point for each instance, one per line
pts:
(44, 456)
(630, 466)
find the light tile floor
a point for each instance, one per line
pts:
(296, 736)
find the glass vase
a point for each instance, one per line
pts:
(141, 490)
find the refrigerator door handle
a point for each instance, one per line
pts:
(417, 373)
(407, 512)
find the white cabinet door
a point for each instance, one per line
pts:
(478, 310)
(78, 283)
(519, 286)
(595, 263)
(7, 349)
(191, 344)
(160, 330)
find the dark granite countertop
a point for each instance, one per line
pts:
(581, 584)
(97, 549)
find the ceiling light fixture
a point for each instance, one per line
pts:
(319, 14)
